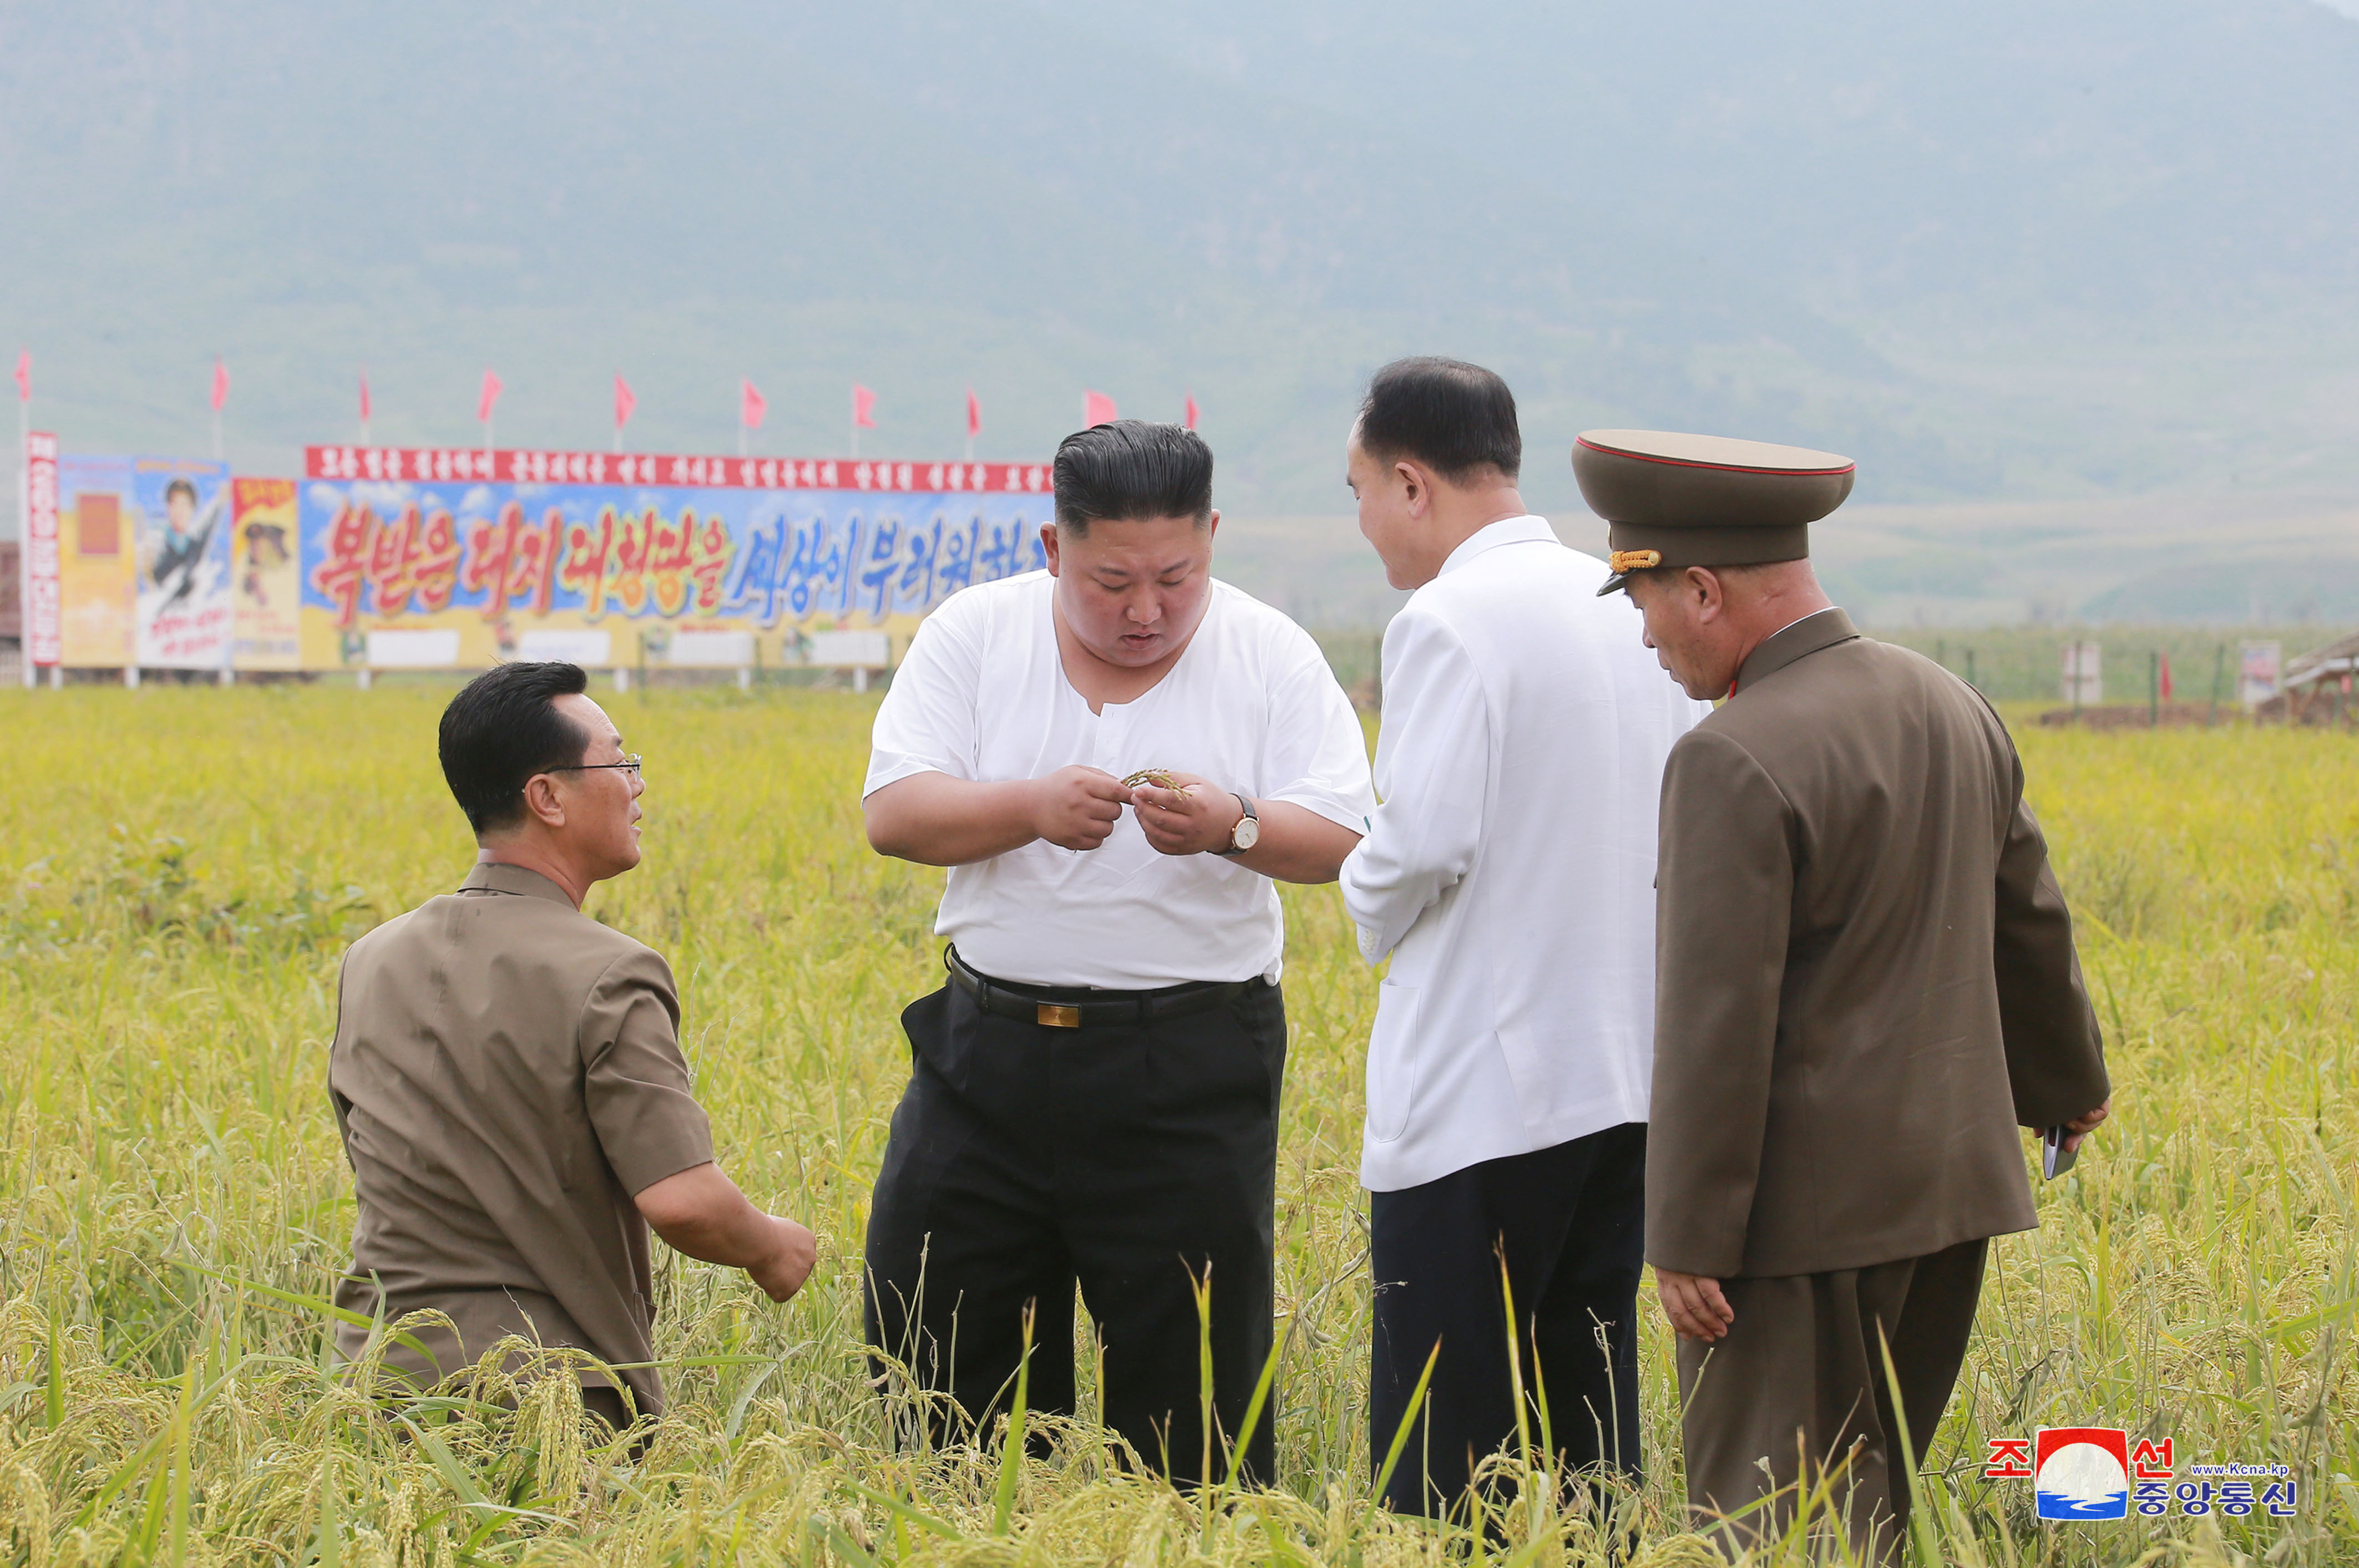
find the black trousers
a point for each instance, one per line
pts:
(1570, 1221)
(1133, 1159)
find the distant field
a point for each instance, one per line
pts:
(2191, 562)
(180, 869)
(2009, 664)
(2024, 663)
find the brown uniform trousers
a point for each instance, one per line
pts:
(1866, 982)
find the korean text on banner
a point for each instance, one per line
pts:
(625, 559)
(43, 604)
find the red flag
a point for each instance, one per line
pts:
(364, 397)
(1097, 408)
(864, 407)
(221, 384)
(2166, 678)
(750, 406)
(491, 394)
(973, 415)
(624, 401)
(24, 375)
(1191, 411)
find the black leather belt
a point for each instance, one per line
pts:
(1058, 1009)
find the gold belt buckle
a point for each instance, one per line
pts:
(1054, 1015)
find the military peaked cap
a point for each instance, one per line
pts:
(1673, 500)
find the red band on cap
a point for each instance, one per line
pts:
(1723, 468)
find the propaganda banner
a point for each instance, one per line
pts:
(434, 557)
(180, 612)
(143, 562)
(41, 600)
(266, 628)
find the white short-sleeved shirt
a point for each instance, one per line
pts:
(1250, 705)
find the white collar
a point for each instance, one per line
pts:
(1523, 530)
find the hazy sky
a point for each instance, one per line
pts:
(2122, 259)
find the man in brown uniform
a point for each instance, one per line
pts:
(1865, 981)
(507, 1077)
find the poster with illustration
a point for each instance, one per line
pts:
(143, 562)
(266, 631)
(182, 612)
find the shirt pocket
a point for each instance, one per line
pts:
(1392, 1060)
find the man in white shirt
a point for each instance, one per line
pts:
(1095, 1093)
(1509, 876)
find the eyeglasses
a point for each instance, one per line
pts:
(629, 765)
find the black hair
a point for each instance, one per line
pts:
(502, 728)
(1129, 470)
(183, 487)
(1454, 417)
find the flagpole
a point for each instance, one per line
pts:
(217, 439)
(855, 422)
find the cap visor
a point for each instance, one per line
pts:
(1614, 584)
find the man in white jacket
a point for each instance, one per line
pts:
(1509, 875)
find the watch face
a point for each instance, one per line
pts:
(1247, 832)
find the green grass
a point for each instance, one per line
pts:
(179, 871)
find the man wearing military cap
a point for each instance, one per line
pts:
(1866, 980)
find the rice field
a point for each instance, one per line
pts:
(180, 869)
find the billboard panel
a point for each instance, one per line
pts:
(182, 613)
(95, 556)
(619, 560)
(267, 631)
(143, 562)
(43, 596)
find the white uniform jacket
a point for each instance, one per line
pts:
(1510, 872)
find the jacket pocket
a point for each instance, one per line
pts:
(1392, 1060)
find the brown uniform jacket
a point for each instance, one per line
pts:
(1865, 973)
(506, 1074)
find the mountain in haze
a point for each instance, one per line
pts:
(2000, 253)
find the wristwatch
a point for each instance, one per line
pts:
(1246, 833)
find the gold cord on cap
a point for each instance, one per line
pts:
(1635, 560)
